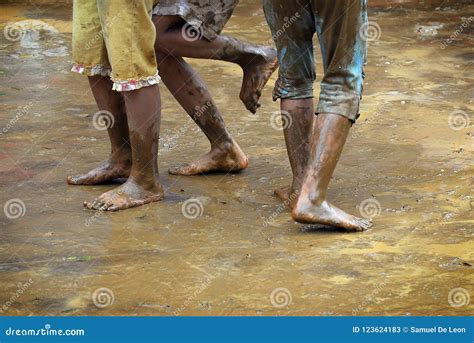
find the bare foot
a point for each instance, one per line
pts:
(256, 75)
(130, 194)
(220, 159)
(287, 195)
(308, 213)
(106, 172)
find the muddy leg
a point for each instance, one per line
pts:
(144, 114)
(301, 115)
(119, 162)
(192, 94)
(330, 135)
(257, 62)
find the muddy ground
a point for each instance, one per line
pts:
(408, 163)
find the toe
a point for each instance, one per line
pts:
(180, 170)
(186, 170)
(115, 207)
(173, 171)
(255, 107)
(97, 204)
(104, 206)
(89, 204)
(368, 224)
(73, 180)
(363, 224)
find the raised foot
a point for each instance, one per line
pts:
(287, 195)
(327, 214)
(128, 195)
(256, 75)
(106, 172)
(227, 159)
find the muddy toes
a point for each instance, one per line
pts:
(185, 170)
(80, 179)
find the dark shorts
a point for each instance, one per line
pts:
(340, 26)
(207, 17)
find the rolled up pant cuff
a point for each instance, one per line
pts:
(285, 90)
(335, 99)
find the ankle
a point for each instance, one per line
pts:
(145, 181)
(295, 187)
(226, 145)
(121, 157)
(317, 198)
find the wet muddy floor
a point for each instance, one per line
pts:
(408, 163)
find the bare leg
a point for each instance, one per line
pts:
(297, 136)
(330, 135)
(192, 94)
(120, 160)
(142, 187)
(257, 62)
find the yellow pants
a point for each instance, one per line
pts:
(115, 38)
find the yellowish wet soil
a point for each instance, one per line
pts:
(409, 162)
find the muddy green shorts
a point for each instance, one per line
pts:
(340, 26)
(207, 17)
(115, 38)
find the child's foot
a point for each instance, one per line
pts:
(256, 75)
(287, 195)
(106, 172)
(326, 214)
(130, 194)
(229, 158)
